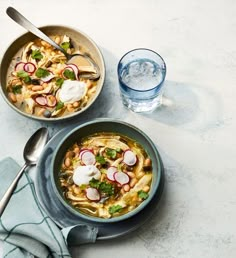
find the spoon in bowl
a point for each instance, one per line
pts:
(32, 152)
(21, 20)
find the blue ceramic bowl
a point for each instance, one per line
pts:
(105, 125)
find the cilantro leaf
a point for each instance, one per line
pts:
(143, 195)
(94, 183)
(59, 105)
(69, 74)
(115, 208)
(17, 89)
(22, 74)
(41, 73)
(103, 187)
(36, 54)
(59, 82)
(65, 45)
(100, 159)
(111, 153)
(106, 188)
(25, 76)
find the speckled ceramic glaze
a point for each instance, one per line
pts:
(78, 39)
(105, 125)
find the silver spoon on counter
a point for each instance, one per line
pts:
(21, 20)
(32, 152)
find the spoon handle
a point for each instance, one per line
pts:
(6, 197)
(20, 19)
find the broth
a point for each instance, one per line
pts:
(106, 175)
(41, 83)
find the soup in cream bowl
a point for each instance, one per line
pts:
(38, 82)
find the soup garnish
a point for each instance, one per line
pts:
(106, 175)
(41, 83)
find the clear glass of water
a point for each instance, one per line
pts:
(141, 74)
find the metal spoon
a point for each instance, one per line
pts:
(20, 19)
(32, 152)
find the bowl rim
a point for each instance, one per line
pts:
(118, 218)
(73, 115)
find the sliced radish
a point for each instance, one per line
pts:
(41, 100)
(29, 67)
(88, 158)
(83, 150)
(110, 173)
(19, 66)
(92, 194)
(51, 101)
(121, 178)
(75, 69)
(48, 78)
(129, 158)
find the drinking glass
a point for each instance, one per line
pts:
(141, 74)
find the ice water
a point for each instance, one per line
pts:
(142, 74)
(141, 84)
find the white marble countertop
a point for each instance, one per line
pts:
(193, 129)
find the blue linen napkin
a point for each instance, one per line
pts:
(26, 230)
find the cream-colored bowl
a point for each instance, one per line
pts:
(78, 38)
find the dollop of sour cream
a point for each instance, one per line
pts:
(72, 91)
(83, 174)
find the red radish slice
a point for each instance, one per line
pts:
(92, 194)
(121, 178)
(129, 158)
(110, 173)
(19, 66)
(29, 67)
(66, 68)
(48, 78)
(83, 150)
(51, 101)
(75, 69)
(88, 158)
(41, 100)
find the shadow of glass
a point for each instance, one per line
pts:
(195, 106)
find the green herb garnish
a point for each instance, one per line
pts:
(41, 73)
(69, 74)
(100, 159)
(83, 186)
(115, 208)
(59, 82)
(106, 188)
(36, 54)
(17, 89)
(65, 45)
(111, 153)
(59, 105)
(25, 76)
(143, 195)
(103, 187)
(94, 183)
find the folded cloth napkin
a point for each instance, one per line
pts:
(26, 230)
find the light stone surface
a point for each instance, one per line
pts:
(194, 129)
